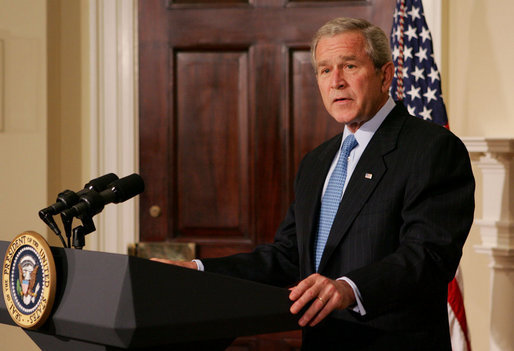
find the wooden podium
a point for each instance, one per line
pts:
(117, 302)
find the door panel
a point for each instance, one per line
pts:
(211, 170)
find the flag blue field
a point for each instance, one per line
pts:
(417, 82)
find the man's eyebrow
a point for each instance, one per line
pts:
(322, 63)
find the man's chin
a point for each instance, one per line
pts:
(353, 122)
(345, 118)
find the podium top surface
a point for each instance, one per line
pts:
(125, 301)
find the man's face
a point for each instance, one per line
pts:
(351, 88)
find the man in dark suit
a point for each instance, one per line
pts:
(374, 236)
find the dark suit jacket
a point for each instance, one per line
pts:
(398, 235)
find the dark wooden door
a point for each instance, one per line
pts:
(228, 107)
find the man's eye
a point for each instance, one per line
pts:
(324, 70)
(350, 66)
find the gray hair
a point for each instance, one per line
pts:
(377, 44)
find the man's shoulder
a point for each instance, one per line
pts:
(421, 129)
(418, 136)
(418, 128)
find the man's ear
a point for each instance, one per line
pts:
(387, 76)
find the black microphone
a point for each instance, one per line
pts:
(118, 191)
(68, 198)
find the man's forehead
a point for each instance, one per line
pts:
(351, 42)
(349, 37)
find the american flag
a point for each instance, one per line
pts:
(417, 81)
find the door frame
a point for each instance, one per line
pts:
(113, 110)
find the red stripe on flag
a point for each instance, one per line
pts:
(457, 305)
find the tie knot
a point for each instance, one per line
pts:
(349, 144)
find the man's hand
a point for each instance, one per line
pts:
(186, 264)
(328, 295)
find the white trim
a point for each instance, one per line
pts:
(113, 101)
(494, 158)
(433, 15)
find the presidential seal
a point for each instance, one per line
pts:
(29, 280)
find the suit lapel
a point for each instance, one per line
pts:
(360, 186)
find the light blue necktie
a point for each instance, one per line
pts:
(332, 196)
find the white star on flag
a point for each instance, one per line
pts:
(396, 53)
(407, 53)
(430, 95)
(426, 113)
(434, 75)
(414, 93)
(419, 73)
(422, 55)
(414, 13)
(411, 33)
(425, 34)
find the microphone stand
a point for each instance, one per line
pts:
(48, 219)
(80, 232)
(67, 223)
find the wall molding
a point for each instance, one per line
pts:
(494, 157)
(434, 16)
(114, 122)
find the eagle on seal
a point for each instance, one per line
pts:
(28, 278)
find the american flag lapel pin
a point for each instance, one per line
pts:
(368, 176)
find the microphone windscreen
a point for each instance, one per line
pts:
(127, 187)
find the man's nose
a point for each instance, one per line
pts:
(337, 79)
